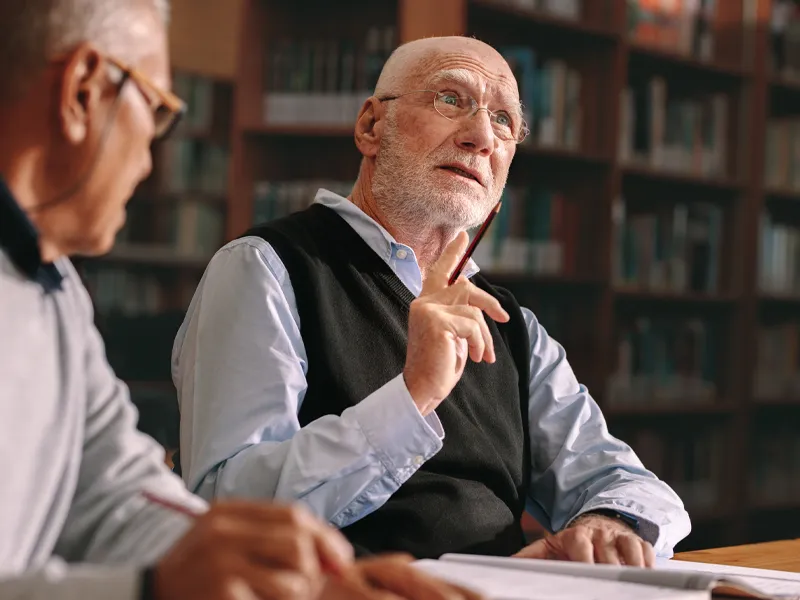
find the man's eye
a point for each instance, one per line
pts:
(448, 98)
(503, 119)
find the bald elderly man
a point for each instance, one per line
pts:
(85, 91)
(325, 359)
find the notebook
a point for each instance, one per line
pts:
(501, 578)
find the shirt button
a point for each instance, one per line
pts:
(401, 254)
(418, 460)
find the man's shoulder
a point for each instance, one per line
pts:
(23, 296)
(17, 289)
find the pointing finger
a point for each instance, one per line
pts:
(439, 273)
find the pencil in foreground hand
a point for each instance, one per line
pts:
(474, 244)
(185, 510)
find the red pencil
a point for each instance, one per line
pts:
(474, 244)
(185, 510)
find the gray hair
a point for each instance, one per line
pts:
(33, 31)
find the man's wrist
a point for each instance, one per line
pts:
(624, 519)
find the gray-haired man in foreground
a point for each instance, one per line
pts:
(84, 93)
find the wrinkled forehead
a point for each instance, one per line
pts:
(488, 78)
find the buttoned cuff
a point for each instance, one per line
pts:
(400, 436)
(646, 529)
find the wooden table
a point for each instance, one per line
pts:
(780, 556)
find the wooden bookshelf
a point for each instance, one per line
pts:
(154, 255)
(662, 177)
(660, 411)
(698, 299)
(593, 176)
(582, 29)
(175, 222)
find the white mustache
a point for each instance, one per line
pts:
(470, 163)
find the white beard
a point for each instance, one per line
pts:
(408, 189)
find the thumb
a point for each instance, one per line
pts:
(440, 272)
(538, 549)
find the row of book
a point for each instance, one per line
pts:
(686, 135)
(323, 81)
(276, 199)
(691, 462)
(550, 92)
(536, 233)
(127, 292)
(665, 362)
(785, 47)
(192, 164)
(197, 92)
(181, 226)
(139, 346)
(682, 26)
(782, 154)
(674, 248)
(564, 9)
(779, 257)
(777, 370)
(775, 460)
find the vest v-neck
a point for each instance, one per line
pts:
(353, 313)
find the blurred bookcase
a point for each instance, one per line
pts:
(651, 221)
(175, 222)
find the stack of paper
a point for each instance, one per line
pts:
(527, 579)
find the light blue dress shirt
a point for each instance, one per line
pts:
(239, 365)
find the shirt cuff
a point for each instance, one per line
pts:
(402, 438)
(647, 529)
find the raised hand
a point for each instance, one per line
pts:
(446, 325)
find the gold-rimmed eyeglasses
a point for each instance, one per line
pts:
(457, 107)
(167, 108)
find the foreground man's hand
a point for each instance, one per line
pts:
(446, 324)
(391, 578)
(594, 539)
(252, 551)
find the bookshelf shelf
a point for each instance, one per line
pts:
(154, 255)
(783, 84)
(782, 195)
(650, 56)
(711, 515)
(298, 130)
(684, 298)
(151, 386)
(604, 64)
(166, 197)
(775, 403)
(533, 279)
(556, 153)
(713, 409)
(676, 178)
(540, 20)
(776, 506)
(785, 299)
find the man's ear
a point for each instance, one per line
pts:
(82, 85)
(369, 127)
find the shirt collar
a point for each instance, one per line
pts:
(376, 237)
(20, 239)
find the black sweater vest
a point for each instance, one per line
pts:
(354, 319)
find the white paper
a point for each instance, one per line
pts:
(766, 581)
(515, 584)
